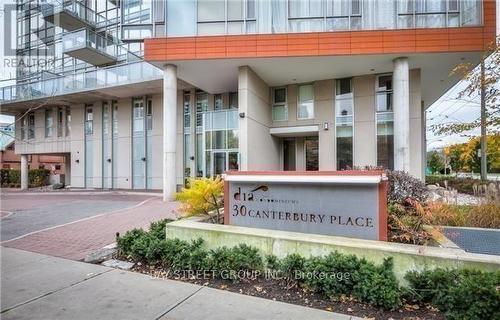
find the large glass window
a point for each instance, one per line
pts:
(220, 132)
(218, 102)
(187, 135)
(438, 13)
(384, 93)
(343, 15)
(344, 123)
(31, 125)
(89, 120)
(136, 12)
(68, 122)
(24, 125)
(201, 107)
(305, 107)
(280, 109)
(187, 111)
(60, 118)
(233, 100)
(181, 18)
(226, 16)
(470, 13)
(149, 115)
(385, 122)
(305, 15)
(49, 123)
(211, 17)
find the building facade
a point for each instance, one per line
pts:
(145, 94)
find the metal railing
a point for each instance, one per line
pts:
(121, 74)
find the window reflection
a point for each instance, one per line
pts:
(344, 123)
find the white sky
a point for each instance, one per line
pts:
(446, 109)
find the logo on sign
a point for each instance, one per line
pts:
(249, 196)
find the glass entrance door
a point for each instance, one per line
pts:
(312, 153)
(219, 163)
(106, 148)
(138, 145)
(289, 155)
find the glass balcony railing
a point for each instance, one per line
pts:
(89, 39)
(77, 9)
(117, 75)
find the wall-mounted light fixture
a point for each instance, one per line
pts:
(77, 161)
(325, 126)
(242, 115)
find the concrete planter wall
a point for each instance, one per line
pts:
(281, 243)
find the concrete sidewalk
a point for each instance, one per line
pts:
(36, 286)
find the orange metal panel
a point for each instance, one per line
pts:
(327, 43)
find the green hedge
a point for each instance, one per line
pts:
(12, 178)
(459, 294)
(362, 279)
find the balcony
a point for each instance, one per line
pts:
(88, 46)
(97, 80)
(70, 15)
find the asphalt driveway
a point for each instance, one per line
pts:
(73, 225)
(25, 214)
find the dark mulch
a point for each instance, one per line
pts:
(280, 290)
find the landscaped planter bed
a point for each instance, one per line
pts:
(341, 282)
(280, 290)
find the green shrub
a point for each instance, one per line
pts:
(182, 255)
(124, 243)
(272, 262)
(241, 258)
(15, 177)
(377, 285)
(144, 245)
(339, 270)
(459, 294)
(292, 266)
(4, 177)
(337, 274)
(158, 228)
(12, 178)
(38, 177)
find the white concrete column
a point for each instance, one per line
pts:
(67, 170)
(401, 100)
(24, 172)
(169, 131)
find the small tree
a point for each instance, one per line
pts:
(474, 81)
(203, 196)
(455, 157)
(435, 162)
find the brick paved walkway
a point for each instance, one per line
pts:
(77, 239)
